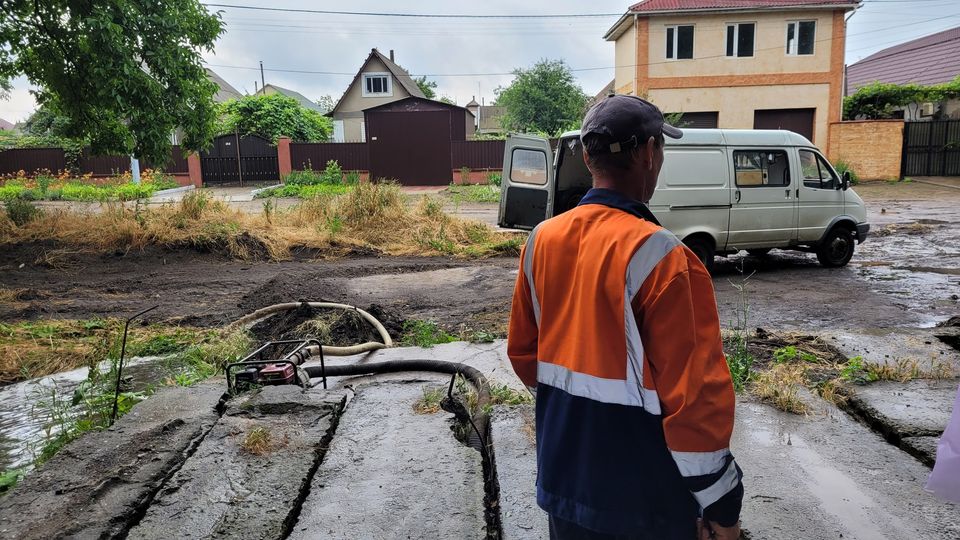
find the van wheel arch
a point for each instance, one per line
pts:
(836, 247)
(704, 247)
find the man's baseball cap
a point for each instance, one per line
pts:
(621, 123)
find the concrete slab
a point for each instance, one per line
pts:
(923, 448)
(99, 485)
(229, 488)
(392, 473)
(889, 345)
(826, 476)
(915, 408)
(513, 435)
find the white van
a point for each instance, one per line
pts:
(720, 191)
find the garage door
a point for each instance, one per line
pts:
(795, 120)
(708, 120)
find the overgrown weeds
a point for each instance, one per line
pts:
(417, 333)
(480, 193)
(260, 441)
(739, 359)
(780, 386)
(369, 216)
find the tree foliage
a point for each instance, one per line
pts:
(429, 88)
(543, 98)
(272, 116)
(326, 103)
(124, 73)
(879, 100)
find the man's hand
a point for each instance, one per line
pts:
(713, 531)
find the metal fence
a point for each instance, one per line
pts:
(931, 148)
(350, 156)
(31, 160)
(477, 154)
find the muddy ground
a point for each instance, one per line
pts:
(906, 275)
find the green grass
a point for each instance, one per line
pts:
(484, 193)
(418, 333)
(305, 191)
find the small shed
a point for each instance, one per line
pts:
(409, 140)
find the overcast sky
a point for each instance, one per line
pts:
(467, 57)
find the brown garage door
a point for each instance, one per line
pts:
(795, 120)
(708, 120)
(411, 147)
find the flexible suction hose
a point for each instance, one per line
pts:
(327, 350)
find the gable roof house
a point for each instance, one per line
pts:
(487, 117)
(303, 100)
(748, 64)
(378, 81)
(929, 60)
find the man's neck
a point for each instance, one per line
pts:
(630, 191)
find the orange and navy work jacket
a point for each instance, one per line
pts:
(615, 323)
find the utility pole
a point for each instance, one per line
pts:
(262, 80)
(135, 169)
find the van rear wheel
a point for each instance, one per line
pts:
(836, 248)
(703, 249)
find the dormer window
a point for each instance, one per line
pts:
(377, 85)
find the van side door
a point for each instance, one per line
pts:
(762, 206)
(526, 188)
(820, 196)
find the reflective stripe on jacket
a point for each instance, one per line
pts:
(615, 322)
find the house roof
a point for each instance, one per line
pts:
(672, 7)
(929, 60)
(399, 74)
(224, 90)
(473, 103)
(302, 99)
(6, 126)
(416, 103)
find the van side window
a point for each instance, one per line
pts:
(816, 173)
(761, 168)
(528, 166)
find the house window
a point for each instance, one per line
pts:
(740, 39)
(800, 37)
(377, 84)
(680, 42)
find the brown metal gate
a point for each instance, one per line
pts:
(412, 148)
(931, 148)
(795, 120)
(239, 160)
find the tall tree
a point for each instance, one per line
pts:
(123, 73)
(326, 103)
(429, 88)
(273, 116)
(543, 98)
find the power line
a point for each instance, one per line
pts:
(778, 47)
(417, 15)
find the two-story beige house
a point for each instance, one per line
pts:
(761, 64)
(378, 82)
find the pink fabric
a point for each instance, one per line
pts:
(944, 481)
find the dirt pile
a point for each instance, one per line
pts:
(335, 327)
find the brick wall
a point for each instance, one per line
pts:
(873, 148)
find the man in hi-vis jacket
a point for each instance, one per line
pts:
(615, 324)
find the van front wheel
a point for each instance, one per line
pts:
(703, 249)
(836, 248)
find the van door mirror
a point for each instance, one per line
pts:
(845, 182)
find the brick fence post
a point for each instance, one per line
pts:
(284, 163)
(193, 166)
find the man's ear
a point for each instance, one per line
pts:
(647, 151)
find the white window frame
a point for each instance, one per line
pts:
(372, 74)
(676, 41)
(736, 39)
(796, 37)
